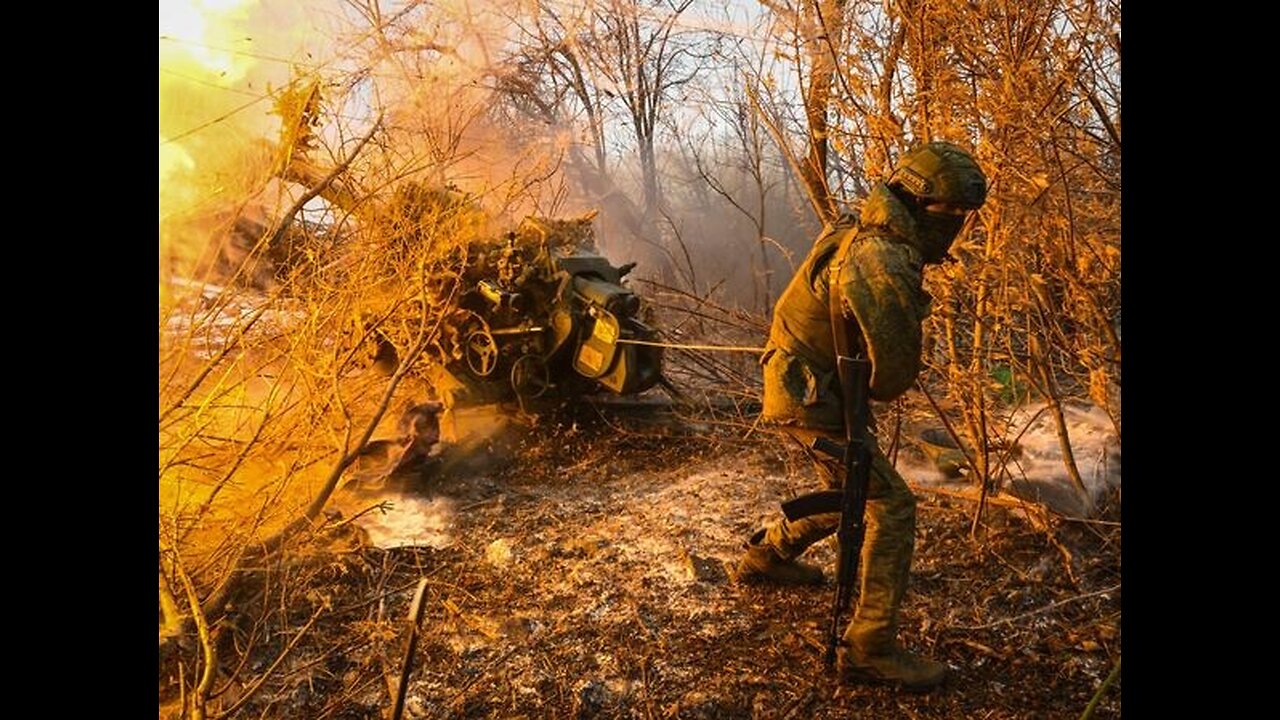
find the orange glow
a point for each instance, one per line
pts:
(221, 64)
(202, 79)
(201, 71)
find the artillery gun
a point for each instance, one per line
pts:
(535, 315)
(535, 318)
(541, 316)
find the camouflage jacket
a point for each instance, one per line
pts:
(878, 271)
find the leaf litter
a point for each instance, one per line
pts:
(580, 567)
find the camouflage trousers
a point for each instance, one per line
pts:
(887, 546)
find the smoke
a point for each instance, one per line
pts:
(476, 442)
(426, 69)
(435, 76)
(404, 520)
(1041, 472)
(1037, 469)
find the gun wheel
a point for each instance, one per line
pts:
(530, 377)
(481, 352)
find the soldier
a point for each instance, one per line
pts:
(877, 266)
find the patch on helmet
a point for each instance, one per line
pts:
(913, 182)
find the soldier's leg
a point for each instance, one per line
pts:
(886, 556)
(870, 649)
(772, 551)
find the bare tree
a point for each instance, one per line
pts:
(740, 166)
(595, 71)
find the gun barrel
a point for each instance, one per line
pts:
(616, 299)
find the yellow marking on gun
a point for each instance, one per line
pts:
(605, 331)
(591, 357)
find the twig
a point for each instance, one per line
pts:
(1097, 697)
(1090, 521)
(983, 452)
(1037, 611)
(644, 680)
(897, 432)
(201, 690)
(800, 707)
(779, 139)
(462, 691)
(384, 594)
(343, 702)
(320, 187)
(257, 683)
(172, 623)
(415, 617)
(381, 506)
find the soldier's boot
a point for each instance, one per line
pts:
(891, 665)
(869, 650)
(761, 563)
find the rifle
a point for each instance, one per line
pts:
(854, 371)
(850, 502)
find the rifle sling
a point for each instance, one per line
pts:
(840, 325)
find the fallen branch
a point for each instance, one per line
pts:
(1039, 513)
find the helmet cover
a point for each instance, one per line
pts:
(940, 172)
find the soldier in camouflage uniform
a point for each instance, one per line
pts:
(877, 265)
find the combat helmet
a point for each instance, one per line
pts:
(940, 172)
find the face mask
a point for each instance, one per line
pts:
(937, 231)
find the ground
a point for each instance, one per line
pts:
(579, 569)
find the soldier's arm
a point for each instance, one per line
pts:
(881, 284)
